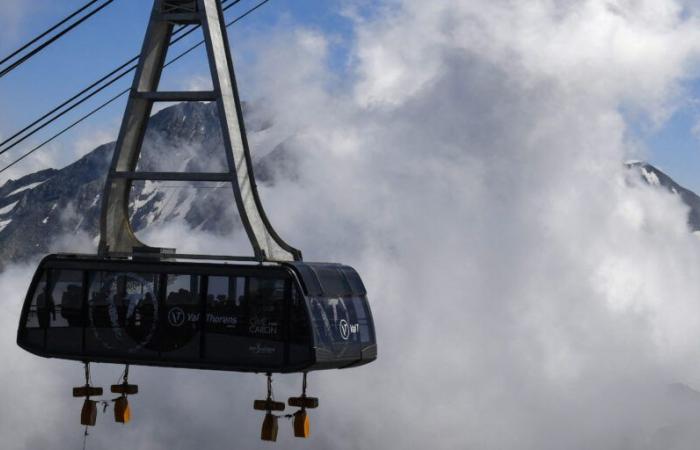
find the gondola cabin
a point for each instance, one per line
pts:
(271, 318)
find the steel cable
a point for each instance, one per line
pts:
(120, 94)
(87, 89)
(45, 33)
(53, 39)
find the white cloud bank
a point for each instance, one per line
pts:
(527, 294)
(13, 12)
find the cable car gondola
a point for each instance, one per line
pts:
(137, 305)
(271, 318)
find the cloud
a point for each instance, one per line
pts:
(87, 142)
(48, 158)
(13, 12)
(528, 292)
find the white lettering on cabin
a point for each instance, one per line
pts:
(229, 321)
(260, 349)
(346, 329)
(262, 326)
(177, 317)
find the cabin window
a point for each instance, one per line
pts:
(66, 298)
(321, 323)
(298, 318)
(38, 314)
(358, 288)
(226, 316)
(122, 313)
(266, 299)
(245, 317)
(333, 282)
(299, 327)
(64, 306)
(226, 305)
(340, 321)
(364, 321)
(180, 333)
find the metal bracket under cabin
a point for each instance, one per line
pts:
(117, 235)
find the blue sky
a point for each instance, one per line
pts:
(675, 147)
(469, 179)
(115, 35)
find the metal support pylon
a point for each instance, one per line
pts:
(117, 235)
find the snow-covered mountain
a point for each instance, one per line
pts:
(655, 177)
(39, 208)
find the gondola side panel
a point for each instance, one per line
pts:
(31, 335)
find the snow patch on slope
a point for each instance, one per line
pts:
(651, 177)
(26, 188)
(4, 224)
(6, 209)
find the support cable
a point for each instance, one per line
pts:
(53, 39)
(90, 95)
(45, 33)
(113, 99)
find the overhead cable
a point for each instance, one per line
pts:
(33, 41)
(122, 93)
(85, 92)
(53, 39)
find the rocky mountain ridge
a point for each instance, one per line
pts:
(39, 208)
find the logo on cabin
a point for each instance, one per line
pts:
(176, 317)
(347, 329)
(262, 326)
(260, 349)
(344, 329)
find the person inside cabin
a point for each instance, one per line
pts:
(71, 305)
(46, 309)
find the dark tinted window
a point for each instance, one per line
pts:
(299, 328)
(39, 313)
(366, 330)
(358, 288)
(266, 300)
(67, 298)
(299, 332)
(245, 320)
(340, 322)
(65, 304)
(337, 317)
(227, 307)
(123, 313)
(181, 327)
(308, 276)
(333, 282)
(226, 314)
(38, 316)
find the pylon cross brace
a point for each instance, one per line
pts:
(117, 236)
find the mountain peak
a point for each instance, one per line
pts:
(40, 207)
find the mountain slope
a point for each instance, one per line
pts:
(38, 208)
(655, 177)
(43, 206)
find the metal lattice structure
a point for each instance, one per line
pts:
(117, 235)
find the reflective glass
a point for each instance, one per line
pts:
(66, 298)
(65, 332)
(180, 333)
(123, 313)
(38, 314)
(38, 317)
(333, 282)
